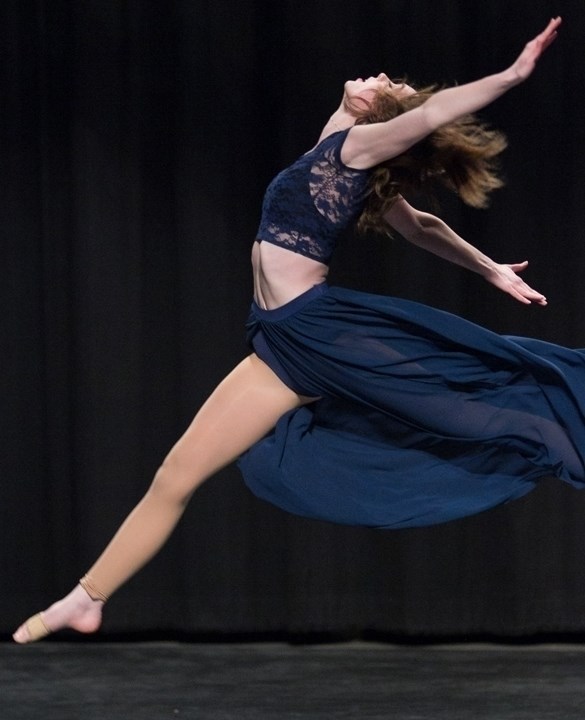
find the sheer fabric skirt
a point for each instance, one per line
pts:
(424, 417)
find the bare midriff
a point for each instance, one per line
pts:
(281, 275)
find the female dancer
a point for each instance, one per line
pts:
(422, 389)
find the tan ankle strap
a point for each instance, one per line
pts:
(89, 586)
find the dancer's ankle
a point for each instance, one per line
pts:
(88, 584)
(78, 611)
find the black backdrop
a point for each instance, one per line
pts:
(136, 141)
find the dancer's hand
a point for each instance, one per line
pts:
(505, 278)
(528, 58)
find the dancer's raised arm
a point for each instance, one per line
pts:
(369, 145)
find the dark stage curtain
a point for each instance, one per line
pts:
(136, 141)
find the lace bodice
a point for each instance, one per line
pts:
(309, 204)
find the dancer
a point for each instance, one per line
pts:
(433, 398)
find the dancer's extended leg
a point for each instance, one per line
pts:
(242, 409)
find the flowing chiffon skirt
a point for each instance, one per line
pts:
(424, 417)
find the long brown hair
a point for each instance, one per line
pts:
(461, 156)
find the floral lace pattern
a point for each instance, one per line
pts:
(332, 188)
(295, 241)
(308, 205)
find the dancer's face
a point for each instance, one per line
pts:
(366, 89)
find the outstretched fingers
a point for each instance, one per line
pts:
(549, 34)
(528, 58)
(505, 278)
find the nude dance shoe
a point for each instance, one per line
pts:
(36, 629)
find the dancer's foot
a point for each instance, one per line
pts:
(77, 611)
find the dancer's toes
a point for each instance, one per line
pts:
(33, 629)
(77, 611)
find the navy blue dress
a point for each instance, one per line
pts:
(424, 417)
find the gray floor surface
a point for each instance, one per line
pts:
(265, 681)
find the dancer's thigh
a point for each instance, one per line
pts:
(242, 409)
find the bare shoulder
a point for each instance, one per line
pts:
(368, 145)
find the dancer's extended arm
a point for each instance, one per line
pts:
(369, 145)
(431, 233)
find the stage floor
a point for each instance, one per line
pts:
(266, 681)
